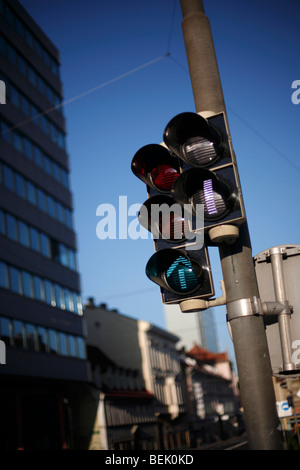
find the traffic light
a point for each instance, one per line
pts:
(209, 173)
(180, 266)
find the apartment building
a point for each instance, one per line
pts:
(151, 351)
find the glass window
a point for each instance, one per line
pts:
(37, 155)
(59, 212)
(75, 302)
(54, 249)
(72, 346)
(53, 341)
(20, 186)
(27, 284)
(62, 344)
(38, 48)
(63, 255)
(42, 338)
(2, 223)
(65, 180)
(79, 305)
(49, 294)
(45, 245)
(30, 337)
(59, 297)
(41, 201)
(56, 171)
(54, 67)
(68, 216)
(38, 288)
(51, 206)
(81, 348)
(72, 260)
(25, 106)
(68, 297)
(48, 165)
(34, 239)
(53, 133)
(23, 233)
(17, 142)
(27, 148)
(14, 280)
(40, 84)
(8, 178)
(20, 28)
(61, 140)
(35, 115)
(11, 54)
(11, 227)
(3, 276)
(5, 132)
(9, 16)
(2, 46)
(5, 330)
(14, 96)
(18, 335)
(31, 193)
(29, 38)
(47, 58)
(31, 75)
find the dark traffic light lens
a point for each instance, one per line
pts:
(182, 276)
(172, 229)
(163, 177)
(199, 151)
(215, 203)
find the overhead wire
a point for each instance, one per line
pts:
(127, 74)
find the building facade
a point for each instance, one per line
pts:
(41, 319)
(151, 351)
(212, 396)
(193, 328)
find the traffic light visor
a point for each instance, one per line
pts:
(193, 139)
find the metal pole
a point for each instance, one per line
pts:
(247, 326)
(284, 316)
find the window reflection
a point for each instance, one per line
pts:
(30, 337)
(38, 338)
(53, 346)
(18, 339)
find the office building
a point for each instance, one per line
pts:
(41, 319)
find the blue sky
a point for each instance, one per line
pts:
(257, 47)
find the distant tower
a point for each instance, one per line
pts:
(198, 327)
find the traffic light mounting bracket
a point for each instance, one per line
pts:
(192, 305)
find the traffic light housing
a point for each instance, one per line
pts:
(209, 173)
(180, 267)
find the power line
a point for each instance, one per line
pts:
(266, 141)
(88, 92)
(171, 26)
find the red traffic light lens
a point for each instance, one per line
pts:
(163, 177)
